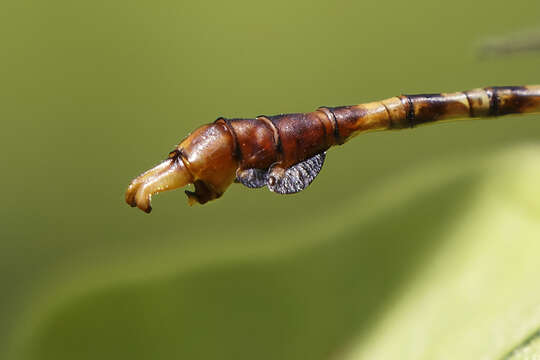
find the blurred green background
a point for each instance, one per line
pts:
(411, 244)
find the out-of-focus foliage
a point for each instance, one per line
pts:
(528, 350)
(476, 296)
(409, 244)
(442, 265)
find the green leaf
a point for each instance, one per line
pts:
(441, 263)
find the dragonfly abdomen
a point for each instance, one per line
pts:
(408, 111)
(286, 152)
(284, 139)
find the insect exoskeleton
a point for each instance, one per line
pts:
(286, 152)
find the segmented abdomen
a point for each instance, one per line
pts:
(281, 139)
(291, 138)
(407, 111)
